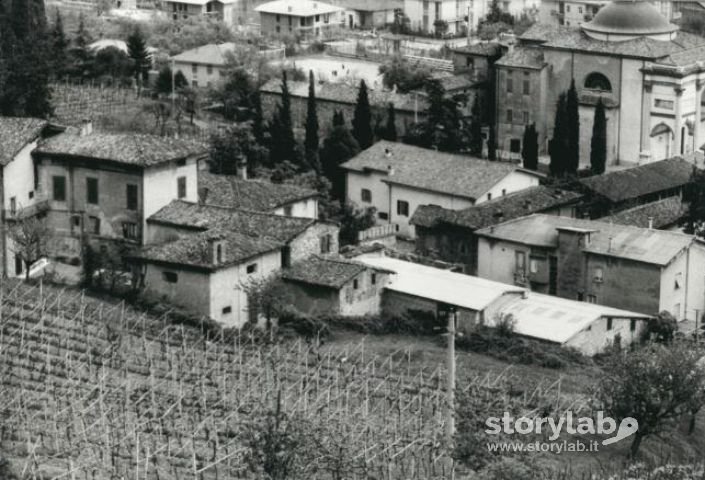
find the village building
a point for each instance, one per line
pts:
(258, 195)
(204, 257)
(369, 14)
(646, 72)
(18, 137)
(103, 186)
(204, 66)
(331, 97)
(449, 235)
(335, 286)
(476, 301)
(666, 214)
(614, 191)
(639, 269)
(234, 13)
(396, 178)
(573, 13)
(302, 18)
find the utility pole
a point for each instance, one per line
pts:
(450, 422)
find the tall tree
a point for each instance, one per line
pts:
(137, 51)
(390, 129)
(283, 143)
(311, 140)
(573, 130)
(25, 59)
(164, 81)
(476, 128)
(530, 147)
(338, 147)
(558, 148)
(598, 143)
(362, 119)
(59, 46)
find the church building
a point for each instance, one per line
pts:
(649, 75)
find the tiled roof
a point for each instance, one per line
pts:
(195, 216)
(451, 174)
(523, 57)
(231, 191)
(646, 245)
(16, 133)
(564, 38)
(342, 93)
(663, 213)
(485, 49)
(132, 149)
(210, 54)
(370, 5)
(299, 8)
(642, 180)
(455, 82)
(517, 204)
(195, 250)
(324, 271)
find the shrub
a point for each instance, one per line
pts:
(661, 328)
(505, 325)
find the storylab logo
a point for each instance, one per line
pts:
(551, 429)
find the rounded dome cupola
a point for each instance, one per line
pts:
(623, 20)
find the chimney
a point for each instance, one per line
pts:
(651, 223)
(241, 169)
(216, 251)
(86, 127)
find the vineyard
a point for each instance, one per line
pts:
(96, 390)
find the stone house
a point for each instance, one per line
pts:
(261, 196)
(335, 286)
(18, 191)
(103, 186)
(396, 178)
(254, 243)
(449, 235)
(301, 18)
(638, 269)
(331, 97)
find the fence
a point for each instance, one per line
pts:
(377, 232)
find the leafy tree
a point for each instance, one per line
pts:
(338, 147)
(530, 147)
(111, 61)
(25, 50)
(476, 128)
(405, 76)
(29, 235)
(558, 146)
(234, 146)
(496, 14)
(258, 127)
(443, 126)
(311, 140)
(353, 220)
(137, 51)
(573, 130)
(598, 142)
(661, 328)
(283, 144)
(238, 95)
(440, 27)
(59, 46)
(164, 82)
(389, 132)
(362, 119)
(657, 385)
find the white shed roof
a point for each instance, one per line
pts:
(298, 8)
(473, 293)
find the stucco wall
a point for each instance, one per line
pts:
(367, 298)
(307, 208)
(191, 290)
(312, 299)
(356, 181)
(596, 337)
(496, 260)
(201, 74)
(160, 185)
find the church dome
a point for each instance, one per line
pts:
(629, 19)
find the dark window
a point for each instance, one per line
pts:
(170, 277)
(510, 84)
(131, 197)
(325, 244)
(286, 257)
(597, 81)
(31, 194)
(609, 323)
(632, 324)
(526, 117)
(515, 145)
(209, 69)
(75, 221)
(59, 188)
(382, 215)
(13, 205)
(402, 208)
(469, 61)
(94, 225)
(219, 253)
(581, 296)
(252, 268)
(373, 279)
(489, 196)
(227, 310)
(181, 162)
(18, 264)
(92, 190)
(129, 230)
(510, 115)
(181, 187)
(366, 195)
(318, 18)
(278, 17)
(355, 285)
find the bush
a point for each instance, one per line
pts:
(505, 325)
(413, 322)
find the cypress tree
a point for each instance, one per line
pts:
(283, 143)
(558, 148)
(311, 140)
(530, 148)
(598, 142)
(137, 51)
(492, 144)
(573, 130)
(476, 128)
(362, 119)
(258, 127)
(338, 147)
(59, 46)
(390, 130)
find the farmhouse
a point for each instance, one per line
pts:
(335, 286)
(396, 178)
(18, 183)
(476, 301)
(103, 186)
(639, 269)
(303, 18)
(261, 196)
(450, 234)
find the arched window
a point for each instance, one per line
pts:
(597, 81)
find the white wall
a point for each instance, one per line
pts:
(496, 260)
(160, 185)
(367, 298)
(596, 337)
(307, 208)
(417, 197)
(191, 290)
(691, 294)
(513, 182)
(201, 74)
(356, 181)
